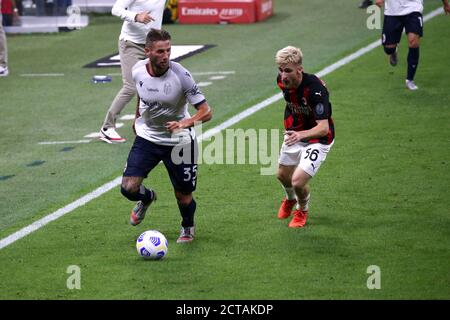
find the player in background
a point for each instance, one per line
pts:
(407, 14)
(163, 123)
(3, 49)
(139, 17)
(309, 133)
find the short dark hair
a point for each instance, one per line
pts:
(156, 35)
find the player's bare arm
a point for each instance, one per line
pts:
(136, 114)
(320, 130)
(143, 17)
(203, 114)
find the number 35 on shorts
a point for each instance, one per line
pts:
(190, 174)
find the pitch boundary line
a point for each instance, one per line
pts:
(63, 142)
(42, 75)
(233, 120)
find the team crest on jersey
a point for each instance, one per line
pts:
(167, 88)
(320, 109)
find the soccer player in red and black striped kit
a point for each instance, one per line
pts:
(309, 133)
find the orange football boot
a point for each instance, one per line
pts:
(286, 208)
(299, 219)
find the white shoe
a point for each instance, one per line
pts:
(110, 135)
(411, 85)
(4, 71)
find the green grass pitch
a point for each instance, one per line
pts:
(381, 198)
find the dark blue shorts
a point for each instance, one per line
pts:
(393, 27)
(182, 168)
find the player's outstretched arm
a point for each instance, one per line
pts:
(203, 114)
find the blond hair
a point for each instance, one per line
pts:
(289, 54)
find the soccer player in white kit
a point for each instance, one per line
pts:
(162, 124)
(407, 14)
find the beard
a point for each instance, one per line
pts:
(159, 67)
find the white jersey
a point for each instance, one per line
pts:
(128, 9)
(164, 99)
(402, 7)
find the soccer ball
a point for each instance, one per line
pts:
(152, 245)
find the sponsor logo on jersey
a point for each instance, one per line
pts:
(152, 104)
(298, 109)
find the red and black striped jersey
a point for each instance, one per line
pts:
(306, 104)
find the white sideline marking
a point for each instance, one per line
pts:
(204, 84)
(246, 113)
(42, 75)
(433, 14)
(59, 213)
(217, 77)
(63, 142)
(108, 64)
(93, 135)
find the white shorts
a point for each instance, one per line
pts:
(309, 157)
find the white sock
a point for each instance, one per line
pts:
(290, 193)
(305, 205)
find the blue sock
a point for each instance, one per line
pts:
(413, 62)
(187, 213)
